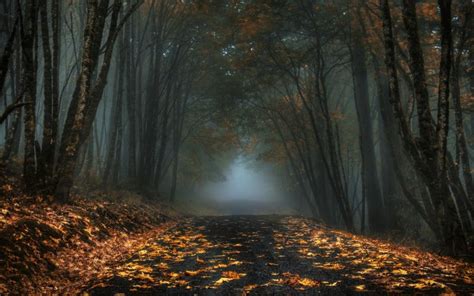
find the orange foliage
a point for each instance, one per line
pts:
(58, 248)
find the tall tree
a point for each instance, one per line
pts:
(429, 149)
(370, 180)
(28, 38)
(88, 93)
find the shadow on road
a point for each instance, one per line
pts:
(238, 255)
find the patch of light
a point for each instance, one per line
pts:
(244, 182)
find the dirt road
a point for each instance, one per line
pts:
(238, 255)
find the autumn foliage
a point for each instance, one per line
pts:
(280, 256)
(48, 249)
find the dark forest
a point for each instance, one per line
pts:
(236, 147)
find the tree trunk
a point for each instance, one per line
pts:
(7, 53)
(131, 105)
(115, 121)
(86, 97)
(370, 181)
(388, 138)
(29, 84)
(429, 152)
(463, 150)
(13, 136)
(118, 145)
(74, 127)
(46, 159)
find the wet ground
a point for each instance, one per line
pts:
(277, 255)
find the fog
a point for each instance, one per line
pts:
(249, 187)
(244, 180)
(248, 107)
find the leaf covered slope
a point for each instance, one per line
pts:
(55, 248)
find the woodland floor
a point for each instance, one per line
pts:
(57, 249)
(283, 255)
(114, 243)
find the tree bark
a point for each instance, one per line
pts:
(46, 159)
(13, 136)
(7, 53)
(29, 84)
(115, 120)
(86, 97)
(131, 104)
(429, 152)
(463, 150)
(370, 180)
(69, 148)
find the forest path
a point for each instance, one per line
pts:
(236, 255)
